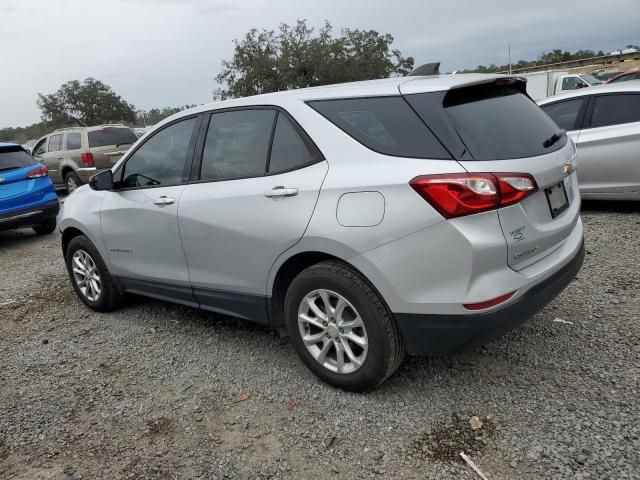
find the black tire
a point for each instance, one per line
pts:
(385, 346)
(70, 179)
(46, 227)
(110, 296)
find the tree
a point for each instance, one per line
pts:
(153, 116)
(88, 103)
(296, 57)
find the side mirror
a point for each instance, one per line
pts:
(102, 180)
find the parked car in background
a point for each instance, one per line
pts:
(27, 195)
(626, 76)
(604, 75)
(336, 212)
(72, 155)
(545, 84)
(604, 122)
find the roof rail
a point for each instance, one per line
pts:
(426, 69)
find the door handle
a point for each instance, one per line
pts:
(58, 158)
(164, 201)
(281, 192)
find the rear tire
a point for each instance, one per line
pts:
(378, 348)
(46, 227)
(90, 277)
(72, 181)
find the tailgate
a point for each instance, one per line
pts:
(531, 229)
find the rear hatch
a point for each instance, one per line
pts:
(16, 188)
(496, 128)
(108, 144)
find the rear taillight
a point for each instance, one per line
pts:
(41, 171)
(87, 159)
(459, 194)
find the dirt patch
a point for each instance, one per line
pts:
(445, 440)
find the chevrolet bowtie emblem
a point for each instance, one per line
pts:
(569, 168)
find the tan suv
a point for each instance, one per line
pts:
(72, 155)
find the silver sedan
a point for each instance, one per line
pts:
(604, 122)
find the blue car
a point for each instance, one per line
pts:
(27, 195)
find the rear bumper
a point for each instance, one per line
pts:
(29, 217)
(442, 334)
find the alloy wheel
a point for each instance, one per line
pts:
(86, 275)
(333, 331)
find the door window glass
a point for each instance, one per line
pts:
(55, 143)
(288, 150)
(616, 109)
(161, 159)
(73, 141)
(237, 144)
(565, 114)
(40, 149)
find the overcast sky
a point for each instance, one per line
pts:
(159, 53)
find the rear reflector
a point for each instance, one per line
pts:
(42, 171)
(459, 194)
(87, 159)
(489, 303)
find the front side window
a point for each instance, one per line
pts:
(161, 159)
(615, 109)
(386, 125)
(55, 143)
(565, 114)
(40, 148)
(74, 141)
(288, 150)
(569, 83)
(237, 144)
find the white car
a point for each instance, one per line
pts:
(604, 122)
(424, 214)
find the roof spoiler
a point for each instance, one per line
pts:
(426, 69)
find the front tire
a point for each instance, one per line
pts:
(341, 328)
(90, 277)
(46, 227)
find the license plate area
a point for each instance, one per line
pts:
(557, 199)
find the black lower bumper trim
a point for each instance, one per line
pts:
(29, 217)
(436, 335)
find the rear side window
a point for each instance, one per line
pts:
(565, 114)
(74, 141)
(237, 144)
(499, 122)
(10, 159)
(615, 109)
(111, 137)
(55, 143)
(386, 125)
(288, 150)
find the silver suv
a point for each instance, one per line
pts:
(419, 214)
(73, 155)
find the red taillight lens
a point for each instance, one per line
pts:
(459, 194)
(41, 171)
(489, 303)
(87, 159)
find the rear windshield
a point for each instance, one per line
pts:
(499, 122)
(10, 159)
(386, 125)
(111, 136)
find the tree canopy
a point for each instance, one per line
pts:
(299, 56)
(90, 102)
(554, 56)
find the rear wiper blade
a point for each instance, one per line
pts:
(553, 138)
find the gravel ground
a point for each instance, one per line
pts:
(157, 391)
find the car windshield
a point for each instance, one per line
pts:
(590, 79)
(109, 136)
(13, 158)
